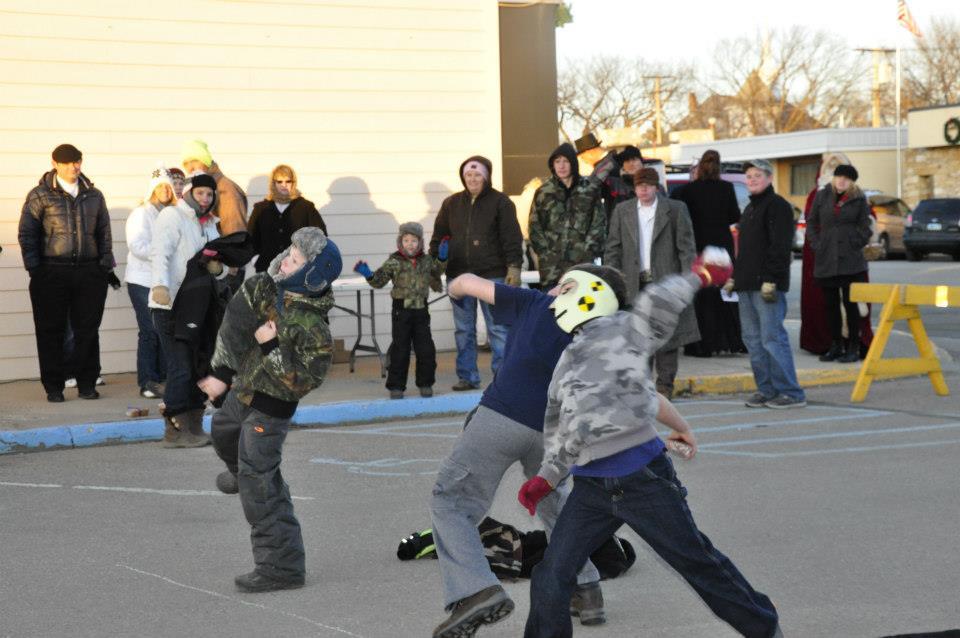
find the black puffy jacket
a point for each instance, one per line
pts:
(55, 228)
(484, 233)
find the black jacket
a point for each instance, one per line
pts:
(271, 230)
(484, 234)
(837, 239)
(712, 204)
(55, 228)
(765, 243)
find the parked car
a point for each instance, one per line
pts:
(891, 215)
(933, 227)
(886, 223)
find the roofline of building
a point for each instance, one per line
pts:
(933, 108)
(799, 143)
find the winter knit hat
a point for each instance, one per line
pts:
(409, 228)
(846, 170)
(158, 177)
(474, 165)
(196, 150)
(199, 179)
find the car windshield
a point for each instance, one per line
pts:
(946, 208)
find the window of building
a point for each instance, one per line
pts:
(803, 177)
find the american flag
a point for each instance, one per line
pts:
(906, 20)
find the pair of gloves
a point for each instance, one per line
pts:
(768, 290)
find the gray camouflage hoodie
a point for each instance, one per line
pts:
(601, 399)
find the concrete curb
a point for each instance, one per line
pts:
(138, 430)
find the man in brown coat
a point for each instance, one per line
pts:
(231, 200)
(649, 238)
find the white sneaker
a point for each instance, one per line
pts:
(70, 383)
(100, 381)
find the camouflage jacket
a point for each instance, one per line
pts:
(410, 276)
(285, 368)
(567, 228)
(602, 399)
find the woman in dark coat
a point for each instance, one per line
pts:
(839, 229)
(713, 208)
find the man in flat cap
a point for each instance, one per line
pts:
(651, 237)
(67, 250)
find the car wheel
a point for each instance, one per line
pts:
(913, 255)
(884, 247)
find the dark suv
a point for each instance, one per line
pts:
(933, 227)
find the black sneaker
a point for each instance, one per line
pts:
(151, 390)
(55, 397)
(426, 392)
(396, 394)
(783, 402)
(757, 400)
(89, 395)
(587, 604)
(255, 582)
(468, 614)
(227, 482)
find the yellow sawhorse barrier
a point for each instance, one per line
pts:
(901, 301)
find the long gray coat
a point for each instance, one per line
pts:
(672, 252)
(837, 240)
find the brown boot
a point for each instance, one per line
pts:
(171, 435)
(191, 428)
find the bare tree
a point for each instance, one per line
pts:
(609, 92)
(787, 80)
(932, 72)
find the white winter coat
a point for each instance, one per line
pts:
(177, 236)
(139, 233)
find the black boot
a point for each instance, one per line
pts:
(852, 353)
(835, 351)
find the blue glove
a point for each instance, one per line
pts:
(444, 250)
(362, 268)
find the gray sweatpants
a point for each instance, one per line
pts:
(465, 487)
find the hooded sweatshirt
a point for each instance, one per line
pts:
(568, 225)
(485, 236)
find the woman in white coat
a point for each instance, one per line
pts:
(180, 233)
(151, 365)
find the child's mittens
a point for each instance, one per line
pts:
(532, 492)
(713, 266)
(443, 251)
(362, 268)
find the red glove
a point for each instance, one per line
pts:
(532, 492)
(712, 273)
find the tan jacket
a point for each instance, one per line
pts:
(231, 202)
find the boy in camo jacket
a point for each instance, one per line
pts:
(273, 347)
(599, 426)
(411, 271)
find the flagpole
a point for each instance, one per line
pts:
(898, 128)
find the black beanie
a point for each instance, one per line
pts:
(846, 170)
(202, 179)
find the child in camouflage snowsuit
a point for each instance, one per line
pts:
(273, 348)
(599, 426)
(411, 271)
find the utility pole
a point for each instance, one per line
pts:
(875, 91)
(657, 106)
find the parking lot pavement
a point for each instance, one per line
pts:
(846, 516)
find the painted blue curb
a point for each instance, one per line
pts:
(137, 430)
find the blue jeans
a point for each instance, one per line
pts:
(465, 334)
(181, 393)
(151, 366)
(653, 503)
(761, 324)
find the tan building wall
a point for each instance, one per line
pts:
(375, 104)
(932, 165)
